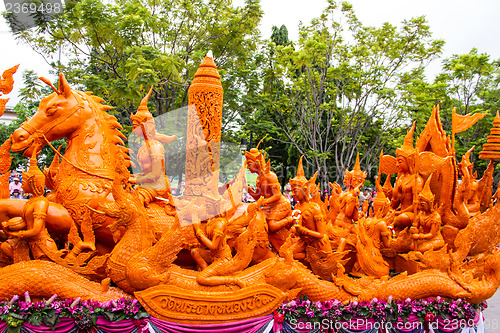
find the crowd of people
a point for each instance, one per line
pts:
(16, 185)
(366, 201)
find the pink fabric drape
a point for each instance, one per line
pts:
(65, 325)
(246, 326)
(122, 326)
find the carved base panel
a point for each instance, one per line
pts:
(193, 307)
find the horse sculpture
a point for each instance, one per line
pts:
(81, 179)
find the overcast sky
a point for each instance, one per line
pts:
(461, 24)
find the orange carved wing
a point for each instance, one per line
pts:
(428, 162)
(387, 165)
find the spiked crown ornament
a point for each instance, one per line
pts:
(34, 176)
(466, 158)
(387, 188)
(380, 202)
(426, 193)
(300, 179)
(254, 155)
(358, 176)
(407, 149)
(142, 115)
(356, 171)
(381, 197)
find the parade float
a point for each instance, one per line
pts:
(114, 249)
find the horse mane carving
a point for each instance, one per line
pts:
(112, 128)
(115, 135)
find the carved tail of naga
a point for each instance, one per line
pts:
(150, 267)
(6, 86)
(44, 278)
(369, 257)
(5, 162)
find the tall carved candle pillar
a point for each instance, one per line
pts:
(204, 132)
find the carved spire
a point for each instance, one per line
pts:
(300, 179)
(466, 158)
(203, 135)
(387, 185)
(380, 202)
(207, 72)
(380, 190)
(142, 115)
(356, 171)
(33, 169)
(34, 176)
(491, 150)
(426, 193)
(407, 147)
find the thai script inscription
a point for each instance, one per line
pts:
(175, 304)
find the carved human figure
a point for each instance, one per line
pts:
(349, 199)
(377, 228)
(347, 205)
(408, 184)
(275, 206)
(34, 216)
(216, 260)
(310, 227)
(426, 229)
(470, 185)
(254, 220)
(463, 191)
(152, 180)
(372, 236)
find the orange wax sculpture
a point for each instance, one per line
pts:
(6, 86)
(207, 257)
(204, 130)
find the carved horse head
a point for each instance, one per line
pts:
(57, 117)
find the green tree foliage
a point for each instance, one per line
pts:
(340, 89)
(118, 49)
(279, 36)
(338, 92)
